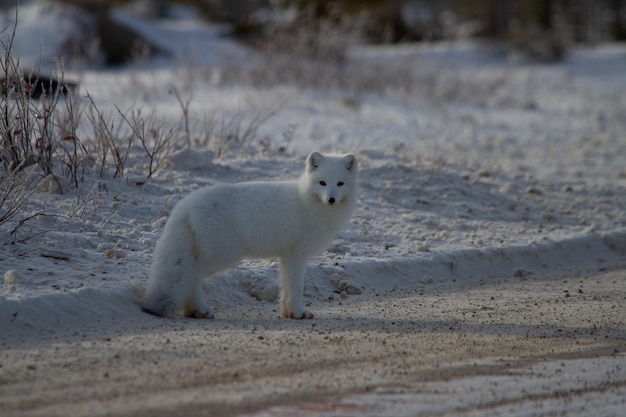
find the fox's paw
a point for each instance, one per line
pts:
(304, 314)
(197, 314)
(205, 315)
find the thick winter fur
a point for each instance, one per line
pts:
(213, 228)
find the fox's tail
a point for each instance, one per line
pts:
(171, 274)
(158, 304)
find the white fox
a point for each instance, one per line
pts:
(213, 228)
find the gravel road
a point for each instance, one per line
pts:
(520, 345)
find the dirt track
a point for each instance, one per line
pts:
(359, 356)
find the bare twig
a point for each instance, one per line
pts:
(14, 193)
(184, 106)
(155, 139)
(75, 156)
(105, 138)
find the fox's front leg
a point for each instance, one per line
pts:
(292, 288)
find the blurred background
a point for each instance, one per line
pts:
(542, 30)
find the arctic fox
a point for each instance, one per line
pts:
(213, 228)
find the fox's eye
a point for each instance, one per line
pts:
(323, 183)
(340, 184)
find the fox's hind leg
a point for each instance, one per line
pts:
(196, 305)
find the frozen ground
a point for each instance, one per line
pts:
(483, 270)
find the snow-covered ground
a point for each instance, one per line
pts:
(479, 166)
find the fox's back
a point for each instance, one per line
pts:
(263, 219)
(260, 218)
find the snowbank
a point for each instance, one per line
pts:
(363, 278)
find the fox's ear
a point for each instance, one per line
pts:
(314, 161)
(351, 162)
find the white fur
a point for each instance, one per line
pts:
(213, 228)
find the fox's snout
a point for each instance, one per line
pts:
(332, 197)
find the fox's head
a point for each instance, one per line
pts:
(331, 179)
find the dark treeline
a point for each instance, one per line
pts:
(410, 20)
(580, 21)
(539, 29)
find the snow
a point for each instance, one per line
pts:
(493, 169)
(439, 180)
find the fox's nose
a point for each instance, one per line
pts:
(331, 200)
